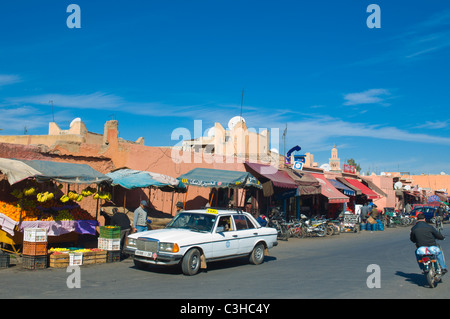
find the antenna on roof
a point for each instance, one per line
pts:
(53, 113)
(242, 101)
(284, 140)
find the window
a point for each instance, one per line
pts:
(242, 222)
(225, 222)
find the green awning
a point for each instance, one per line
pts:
(206, 177)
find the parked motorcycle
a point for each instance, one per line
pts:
(314, 228)
(277, 221)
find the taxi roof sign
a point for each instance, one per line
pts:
(212, 211)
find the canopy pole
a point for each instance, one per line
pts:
(185, 197)
(211, 200)
(96, 211)
(171, 206)
(124, 199)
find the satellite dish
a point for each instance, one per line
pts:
(398, 185)
(407, 187)
(74, 121)
(211, 132)
(383, 174)
(235, 120)
(325, 167)
(274, 150)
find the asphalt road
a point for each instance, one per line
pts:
(331, 267)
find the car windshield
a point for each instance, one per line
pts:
(193, 221)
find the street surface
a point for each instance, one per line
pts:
(330, 267)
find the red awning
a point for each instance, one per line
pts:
(328, 190)
(364, 189)
(278, 178)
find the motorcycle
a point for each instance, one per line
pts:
(431, 268)
(276, 220)
(316, 228)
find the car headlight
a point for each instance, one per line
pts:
(131, 242)
(169, 247)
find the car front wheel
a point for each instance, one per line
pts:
(257, 255)
(190, 264)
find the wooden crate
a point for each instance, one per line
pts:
(59, 260)
(89, 258)
(100, 257)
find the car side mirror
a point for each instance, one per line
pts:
(220, 229)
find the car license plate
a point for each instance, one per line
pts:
(144, 253)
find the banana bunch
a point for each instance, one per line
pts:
(64, 198)
(103, 195)
(43, 197)
(29, 191)
(88, 191)
(75, 197)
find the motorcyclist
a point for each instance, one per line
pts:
(423, 234)
(439, 213)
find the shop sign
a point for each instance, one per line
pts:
(348, 169)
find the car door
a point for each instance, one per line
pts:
(225, 241)
(247, 233)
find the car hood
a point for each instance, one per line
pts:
(172, 235)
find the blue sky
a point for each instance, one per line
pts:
(381, 95)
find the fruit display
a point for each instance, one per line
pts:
(43, 197)
(102, 195)
(88, 191)
(74, 196)
(29, 191)
(45, 206)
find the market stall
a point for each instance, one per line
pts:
(32, 198)
(129, 179)
(219, 179)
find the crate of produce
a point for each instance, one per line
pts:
(34, 248)
(59, 260)
(35, 235)
(75, 259)
(34, 262)
(111, 232)
(108, 244)
(113, 256)
(4, 260)
(89, 257)
(100, 255)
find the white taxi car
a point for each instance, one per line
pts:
(195, 237)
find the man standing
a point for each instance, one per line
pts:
(364, 212)
(140, 218)
(121, 220)
(424, 235)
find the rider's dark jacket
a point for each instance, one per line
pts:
(423, 234)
